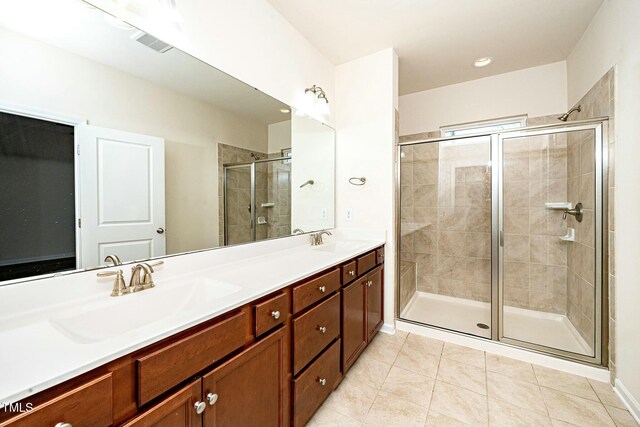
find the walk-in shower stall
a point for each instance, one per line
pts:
(257, 200)
(501, 236)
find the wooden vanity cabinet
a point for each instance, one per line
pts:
(251, 388)
(177, 410)
(362, 310)
(270, 362)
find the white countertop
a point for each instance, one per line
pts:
(37, 353)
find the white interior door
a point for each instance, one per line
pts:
(121, 195)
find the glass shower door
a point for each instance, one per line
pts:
(445, 234)
(238, 223)
(550, 246)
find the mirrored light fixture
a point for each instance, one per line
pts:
(316, 101)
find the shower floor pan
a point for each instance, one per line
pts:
(463, 315)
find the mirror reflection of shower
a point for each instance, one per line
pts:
(256, 199)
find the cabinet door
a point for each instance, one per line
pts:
(354, 327)
(374, 302)
(178, 410)
(249, 389)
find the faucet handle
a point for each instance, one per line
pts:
(119, 285)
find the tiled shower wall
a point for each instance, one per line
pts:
(272, 186)
(446, 219)
(535, 259)
(239, 194)
(598, 102)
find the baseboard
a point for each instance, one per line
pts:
(388, 328)
(627, 398)
(594, 372)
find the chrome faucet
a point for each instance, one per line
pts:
(316, 238)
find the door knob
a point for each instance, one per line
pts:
(352, 272)
(160, 230)
(275, 314)
(212, 398)
(369, 283)
(63, 424)
(322, 329)
(322, 289)
(200, 407)
(322, 381)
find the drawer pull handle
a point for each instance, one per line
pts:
(369, 283)
(212, 398)
(322, 289)
(322, 381)
(351, 272)
(322, 329)
(200, 407)
(275, 314)
(63, 424)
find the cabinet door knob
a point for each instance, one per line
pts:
(369, 283)
(212, 398)
(63, 424)
(275, 314)
(322, 289)
(351, 272)
(322, 329)
(200, 407)
(322, 381)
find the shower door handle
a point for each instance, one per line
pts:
(501, 238)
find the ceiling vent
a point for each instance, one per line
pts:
(151, 42)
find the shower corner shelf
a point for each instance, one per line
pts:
(559, 205)
(570, 236)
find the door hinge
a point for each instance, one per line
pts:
(78, 149)
(79, 222)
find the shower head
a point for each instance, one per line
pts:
(566, 115)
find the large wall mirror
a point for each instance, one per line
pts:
(115, 143)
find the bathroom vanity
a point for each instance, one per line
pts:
(270, 361)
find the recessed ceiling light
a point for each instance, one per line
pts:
(482, 62)
(285, 110)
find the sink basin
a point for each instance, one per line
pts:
(338, 246)
(113, 316)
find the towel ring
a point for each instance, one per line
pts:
(357, 181)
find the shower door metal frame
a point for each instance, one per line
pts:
(601, 168)
(600, 129)
(252, 207)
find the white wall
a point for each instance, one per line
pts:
(613, 38)
(247, 39)
(279, 135)
(313, 147)
(57, 82)
(536, 91)
(366, 94)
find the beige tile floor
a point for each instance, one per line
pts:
(409, 380)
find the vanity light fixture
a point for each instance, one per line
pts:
(318, 92)
(482, 62)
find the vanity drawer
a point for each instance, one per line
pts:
(380, 256)
(271, 313)
(348, 272)
(366, 262)
(309, 389)
(314, 290)
(89, 405)
(314, 330)
(169, 366)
